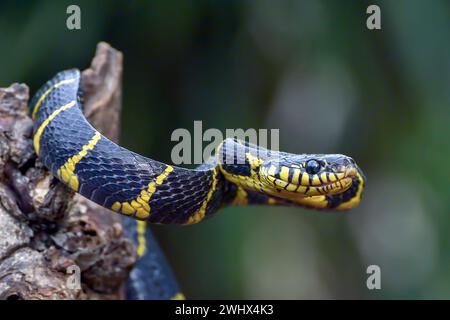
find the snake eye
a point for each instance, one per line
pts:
(312, 167)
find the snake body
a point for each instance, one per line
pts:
(239, 173)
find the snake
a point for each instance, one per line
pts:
(239, 173)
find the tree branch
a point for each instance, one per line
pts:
(45, 228)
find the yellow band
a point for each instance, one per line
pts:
(40, 130)
(45, 94)
(141, 226)
(200, 214)
(67, 171)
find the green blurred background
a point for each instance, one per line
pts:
(310, 68)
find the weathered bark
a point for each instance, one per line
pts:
(44, 227)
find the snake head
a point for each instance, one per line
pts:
(293, 176)
(322, 181)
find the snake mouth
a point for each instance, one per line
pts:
(324, 183)
(330, 188)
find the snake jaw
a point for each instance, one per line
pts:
(292, 181)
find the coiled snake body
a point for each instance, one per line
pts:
(128, 183)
